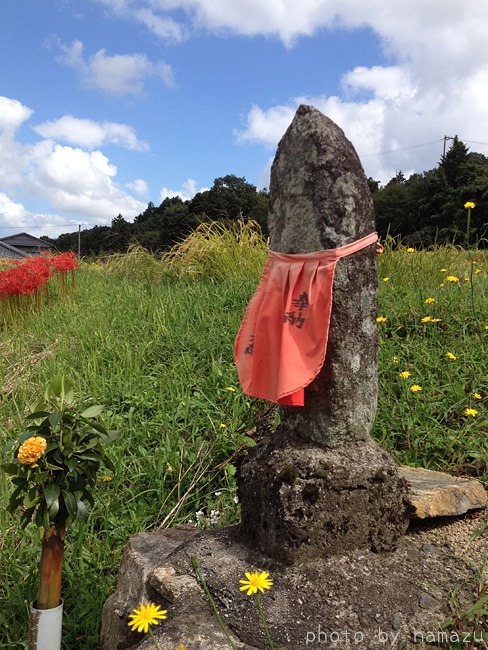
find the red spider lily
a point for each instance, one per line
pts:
(25, 277)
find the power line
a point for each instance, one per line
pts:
(413, 146)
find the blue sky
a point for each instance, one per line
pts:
(106, 105)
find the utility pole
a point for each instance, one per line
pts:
(446, 138)
(79, 241)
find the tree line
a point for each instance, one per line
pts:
(426, 208)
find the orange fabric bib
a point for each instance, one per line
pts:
(281, 344)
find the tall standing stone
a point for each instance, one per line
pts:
(321, 485)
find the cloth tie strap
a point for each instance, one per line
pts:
(281, 345)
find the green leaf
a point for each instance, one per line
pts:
(51, 494)
(39, 518)
(11, 468)
(37, 415)
(108, 464)
(26, 517)
(93, 411)
(82, 510)
(70, 503)
(54, 509)
(55, 418)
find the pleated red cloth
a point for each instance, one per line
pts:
(281, 344)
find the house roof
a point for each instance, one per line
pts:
(25, 240)
(10, 252)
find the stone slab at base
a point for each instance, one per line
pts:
(300, 502)
(437, 494)
(359, 600)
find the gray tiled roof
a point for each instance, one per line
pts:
(25, 240)
(10, 252)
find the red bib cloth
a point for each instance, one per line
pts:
(281, 344)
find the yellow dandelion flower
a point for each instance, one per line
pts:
(381, 319)
(470, 412)
(231, 389)
(450, 355)
(410, 250)
(182, 647)
(106, 478)
(256, 582)
(223, 425)
(426, 319)
(469, 205)
(31, 450)
(429, 301)
(415, 388)
(147, 615)
(486, 327)
(386, 279)
(477, 396)
(404, 375)
(452, 278)
(436, 320)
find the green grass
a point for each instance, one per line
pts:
(153, 339)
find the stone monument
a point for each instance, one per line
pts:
(321, 485)
(319, 498)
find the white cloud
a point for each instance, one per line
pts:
(75, 181)
(119, 74)
(435, 82)
(90, 134)
(186, 192)
(12, 115)
(14, 217)
(71, 180)
(138, 186)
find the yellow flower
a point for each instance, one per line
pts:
(452, 278)
(386, 279)
(31, 450)
(477, 396)
(450, 355)
(223, 426)
(415, 388)
(486, 327)
(429, 301)
(231, 389)
(469, 204)
(410, 250)
(477, 271)
(106, 478)
(404, 375)
(146, 616)
(443, 270)
(182, 647)
(435, 320)
(256, 581)
(426, 319)
(381, 319)
(470, 412)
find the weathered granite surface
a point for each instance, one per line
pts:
(322, 485)
(319, 198)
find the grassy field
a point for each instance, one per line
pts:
(153, 341)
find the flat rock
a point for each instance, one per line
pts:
(437, 494)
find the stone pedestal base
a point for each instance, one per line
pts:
(301, 502)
